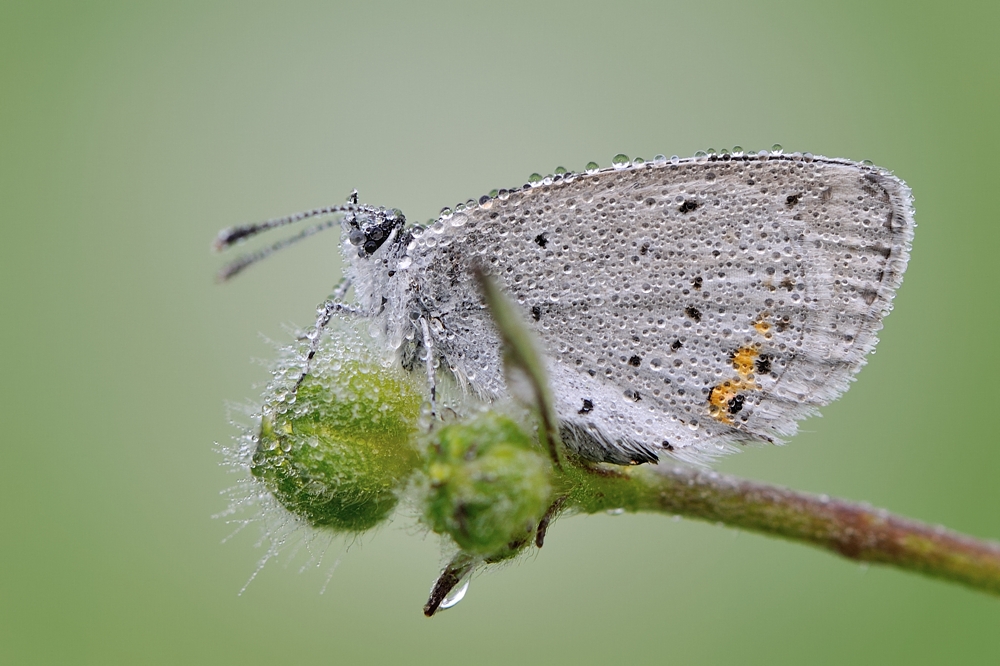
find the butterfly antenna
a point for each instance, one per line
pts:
(233, 235)
(238, 264)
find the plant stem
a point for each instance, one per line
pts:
(853, 530)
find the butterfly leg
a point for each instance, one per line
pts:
(340, 291)
(431, 375)
(323, 316)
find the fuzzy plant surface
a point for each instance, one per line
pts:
(339, 459)
(339, 447)
(488, 485)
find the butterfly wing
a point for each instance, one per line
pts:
(685, 307)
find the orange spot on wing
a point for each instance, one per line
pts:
(721, 396)
(743, 360)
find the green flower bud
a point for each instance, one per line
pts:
(489, 485)
(338, 455)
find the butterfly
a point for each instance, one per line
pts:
(685, 307)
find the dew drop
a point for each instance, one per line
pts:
(620, 161)
(592, 167)
(457, 593)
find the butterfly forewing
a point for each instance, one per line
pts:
(684, 307)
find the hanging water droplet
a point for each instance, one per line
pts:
(457, 593)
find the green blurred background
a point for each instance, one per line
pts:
(131, 132)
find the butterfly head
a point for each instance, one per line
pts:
(370, 228)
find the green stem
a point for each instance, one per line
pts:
(855, 531)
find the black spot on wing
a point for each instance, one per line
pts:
(763, 364)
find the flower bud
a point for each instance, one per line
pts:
(340, 453)
(489, 485)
